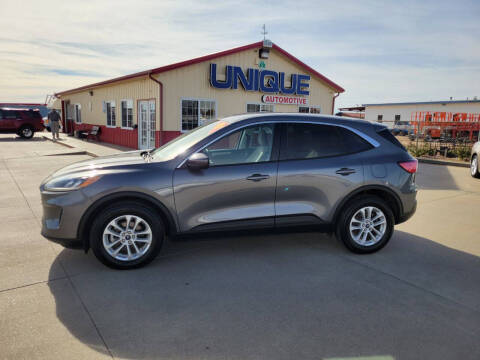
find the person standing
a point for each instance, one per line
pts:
(54, 118)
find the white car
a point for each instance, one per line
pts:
(474, 171)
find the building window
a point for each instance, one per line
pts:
(127, 113)
(111, 116)
(380, 118)
(309, 109)
(397, 119)
(260, 108)
(197, 112)
(77, 113)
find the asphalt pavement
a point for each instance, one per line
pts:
(262, 296)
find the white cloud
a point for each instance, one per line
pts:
(377, 50)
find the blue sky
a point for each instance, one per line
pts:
(379, 51)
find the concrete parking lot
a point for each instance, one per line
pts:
(267, 296)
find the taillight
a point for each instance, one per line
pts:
(409, 166)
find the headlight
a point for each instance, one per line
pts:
(67, 183)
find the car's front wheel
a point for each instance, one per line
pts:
(365, 224)
(474, 167)
(127, 235)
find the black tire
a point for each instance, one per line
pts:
(343, 223)
(474, 172)
(117, 210)
(26, 132)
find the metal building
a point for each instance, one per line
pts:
(150, 108)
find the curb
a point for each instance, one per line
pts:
(85, 152)
(441, 162)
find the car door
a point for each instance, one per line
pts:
(238, 187)
(317, 168)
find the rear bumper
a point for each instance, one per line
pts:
(407, 215)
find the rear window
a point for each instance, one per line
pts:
(35, 114)
(387, 135)
(353, 142)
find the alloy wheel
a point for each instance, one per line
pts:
(368, 226)
(27, 132)
(127, 237)
(473, 166)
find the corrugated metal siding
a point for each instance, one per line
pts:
(118, 136)
(193, 82)
(92, 105)
(188, 82)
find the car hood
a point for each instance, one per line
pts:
(102, 163)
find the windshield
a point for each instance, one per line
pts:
(177, 146)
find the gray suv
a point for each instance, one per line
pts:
(292, 171)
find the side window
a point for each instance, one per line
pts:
(307, 141)
(352, 142)
(248, 145)
(10, 114)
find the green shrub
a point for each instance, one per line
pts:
(462, 152)
(420, 151)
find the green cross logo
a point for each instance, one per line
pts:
(261, 64)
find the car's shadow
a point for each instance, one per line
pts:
(18, 139)
(278, 296)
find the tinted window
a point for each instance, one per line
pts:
(352, 142)
(10, 114)
(307, 141)
(249, 145)
(386, 134)
(34, 114)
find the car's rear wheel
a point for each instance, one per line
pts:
(474, 167)
(127, 235)
(26, 132)
(365, 224)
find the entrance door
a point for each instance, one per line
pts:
(146, 124)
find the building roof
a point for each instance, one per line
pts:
(353, 108)
(22, 104)
(444, 102)
(355, 115)
(177, 65)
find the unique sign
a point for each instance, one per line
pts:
(286, 100)
(266, 81)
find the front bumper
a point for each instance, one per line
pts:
(62, 212)
(68, 243)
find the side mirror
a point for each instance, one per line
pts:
(198, 161)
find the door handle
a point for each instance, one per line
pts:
(258, 177)
(345, 171)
